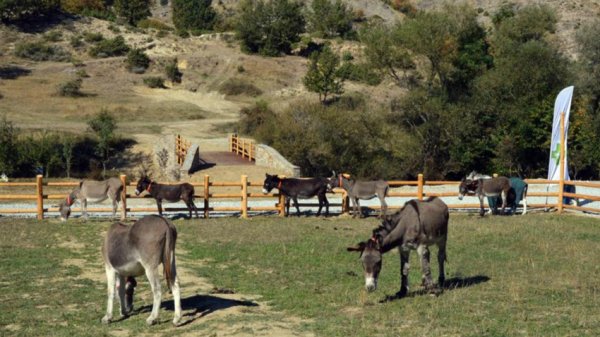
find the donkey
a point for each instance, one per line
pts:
(417, 225)
(93, 191)
(292, 188)
(358, 189)
(130, 251)
(171, 193)
(494, 187)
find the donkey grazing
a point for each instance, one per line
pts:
(417, 225)
(171, 193)
(130, 251)
(93, 191)
(364, 190)
(494, 187)
(293, 188)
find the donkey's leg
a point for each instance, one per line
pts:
(115, 204)
(424, 255)
(159, 206)
(326, 204)
(321, 203)
(504, 195)
(176, 293)
(110, 283)
(295, 198)
(188, 204)
(84, 208)
(154, 281)
(287, 206)
(481, 210)
(404, 268)
(441, 260)
(121, 291)
(195, 208)
(383, 206)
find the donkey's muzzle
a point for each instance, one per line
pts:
(137, 192)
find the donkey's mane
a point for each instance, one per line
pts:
(387, 226)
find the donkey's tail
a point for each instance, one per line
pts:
(169, 253)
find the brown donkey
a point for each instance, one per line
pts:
(499, 186)
(171, 193)
(93, 191)
(130, 251)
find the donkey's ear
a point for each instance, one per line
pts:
(358, 248)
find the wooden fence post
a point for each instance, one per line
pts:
(124, 197)
(40, 196)
(206, 194)
(345, 202)
(420, 186)
(244, 196)
(281, 204)
(561, 180)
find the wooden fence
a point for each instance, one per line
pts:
(242, 146)
(181, 148)
(208, 191)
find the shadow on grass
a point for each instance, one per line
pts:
(450, 284)
(12, 72)
(200, 306)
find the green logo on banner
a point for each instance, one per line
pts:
(556, 153)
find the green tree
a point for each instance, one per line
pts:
(269, 28)
(132, 10)
(15, 10)
(137, 61)
(324, 75)
(193, 14)
(327, 18)
(384, 52)
(8, 146)
(104, 125)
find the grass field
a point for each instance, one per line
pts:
(535, 275)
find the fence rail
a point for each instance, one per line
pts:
(242, 146)
(209, 191)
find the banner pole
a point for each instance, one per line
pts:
(561, 181)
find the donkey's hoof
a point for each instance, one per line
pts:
(176, 321)
(106, 319)
(151, 320)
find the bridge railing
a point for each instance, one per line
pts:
(181, 148)
(243, 196)
(242, 147)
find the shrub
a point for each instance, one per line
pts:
(362, 73)
(110, 47)
(172, 72)
(90, 37)
(195, 15)
(137, 61)
(154, 24)
(39, 51)
(155, 82)
(81, 73)
(236, 87)
(53, 36)
(70, 88)
(75, 41)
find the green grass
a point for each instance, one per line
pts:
(535, 275)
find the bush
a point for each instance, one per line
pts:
(172, 72)
(195, 15)
(75, 41)
(70, 88)
(155, 82)
(154, 24)
(90, 37)
(362, 73)
(39, 51)
(137, 61)
(110, 47)
(53, 36)
(236, 87)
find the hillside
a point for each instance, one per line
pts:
(198, 107)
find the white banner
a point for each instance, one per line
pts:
(562, 104)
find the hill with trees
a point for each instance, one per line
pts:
(379, 88)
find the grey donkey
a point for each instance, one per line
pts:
(92, 191)
(358, 189)
(130, 251)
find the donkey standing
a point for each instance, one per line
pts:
(93, 191)
(292, 188)
(417, 225)
(171, 193)
(364, 190)
(130, 251)
(494, 187)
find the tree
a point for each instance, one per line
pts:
(8, 146)
(132, 10)
(193, 14)
(324, 74)
(79, 6)
(330, 19)
(16, 10)
(269, 28)
(385, 53)
(104, 125)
